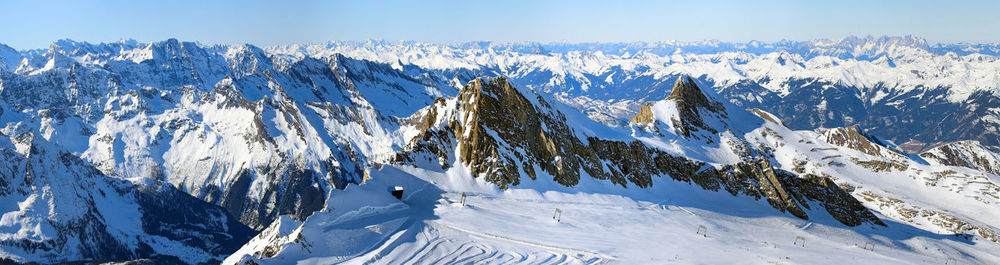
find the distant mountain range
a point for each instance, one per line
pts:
(900, 88)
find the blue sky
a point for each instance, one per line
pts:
(36, 24)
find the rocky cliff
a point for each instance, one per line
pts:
(501, 134)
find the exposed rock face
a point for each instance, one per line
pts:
(754, 178)
(942, 219)
(855, 138)
(690, 97)
(888, 158)
(916, 119)
(645, 114)
(766, 116)
(502, 135)
(690, 103)
(970, 154)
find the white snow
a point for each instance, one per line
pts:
(600, 223)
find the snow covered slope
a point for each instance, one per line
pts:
(970, 154)
(58, 208)
(661, 182)
(600, 224)
(259, 134)
(874, 171)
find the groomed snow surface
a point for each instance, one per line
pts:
(670, 223)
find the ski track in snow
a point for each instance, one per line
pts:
(516, 227)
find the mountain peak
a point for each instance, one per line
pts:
(496, 87)
(685, 90)
(689, 97)
(969, 154)
(691, 104)
(906, 40)
(855, 137)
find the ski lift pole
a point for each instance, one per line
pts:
(801, 241)
(869, 245)
(702, 230)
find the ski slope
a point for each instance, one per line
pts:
(600, 224)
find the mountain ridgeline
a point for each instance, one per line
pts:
(70, 211)
(501, 135)
(257, 134)
(223, 133)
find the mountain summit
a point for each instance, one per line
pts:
(689, 95)
(687, 107)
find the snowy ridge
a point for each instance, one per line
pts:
(879, 82)
(438, 170)
(900, 186)
(272, 135)
(58, 208)
(970, 154)
(451, 214)
(619, 224)
(904, 63)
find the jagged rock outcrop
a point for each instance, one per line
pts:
(887, 157)
(501, 135)
(690, 104)
(645, 114)
(970, 154)
(754, 178)
(766, 116)
(854, 137)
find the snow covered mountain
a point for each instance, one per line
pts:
(302, 144)
(900, 87)
(257, 134)
(970, 154)
(509, 151)
(58, 208)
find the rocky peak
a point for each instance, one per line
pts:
(908, 41)
(969, 154)
(246, 60)
(645, 115)
(173, 50)
(685, 90)
(691, 104)
(530, 131)
(501, 135)
(854, 137)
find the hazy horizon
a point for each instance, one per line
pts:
(36, 24)
(693, 42)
